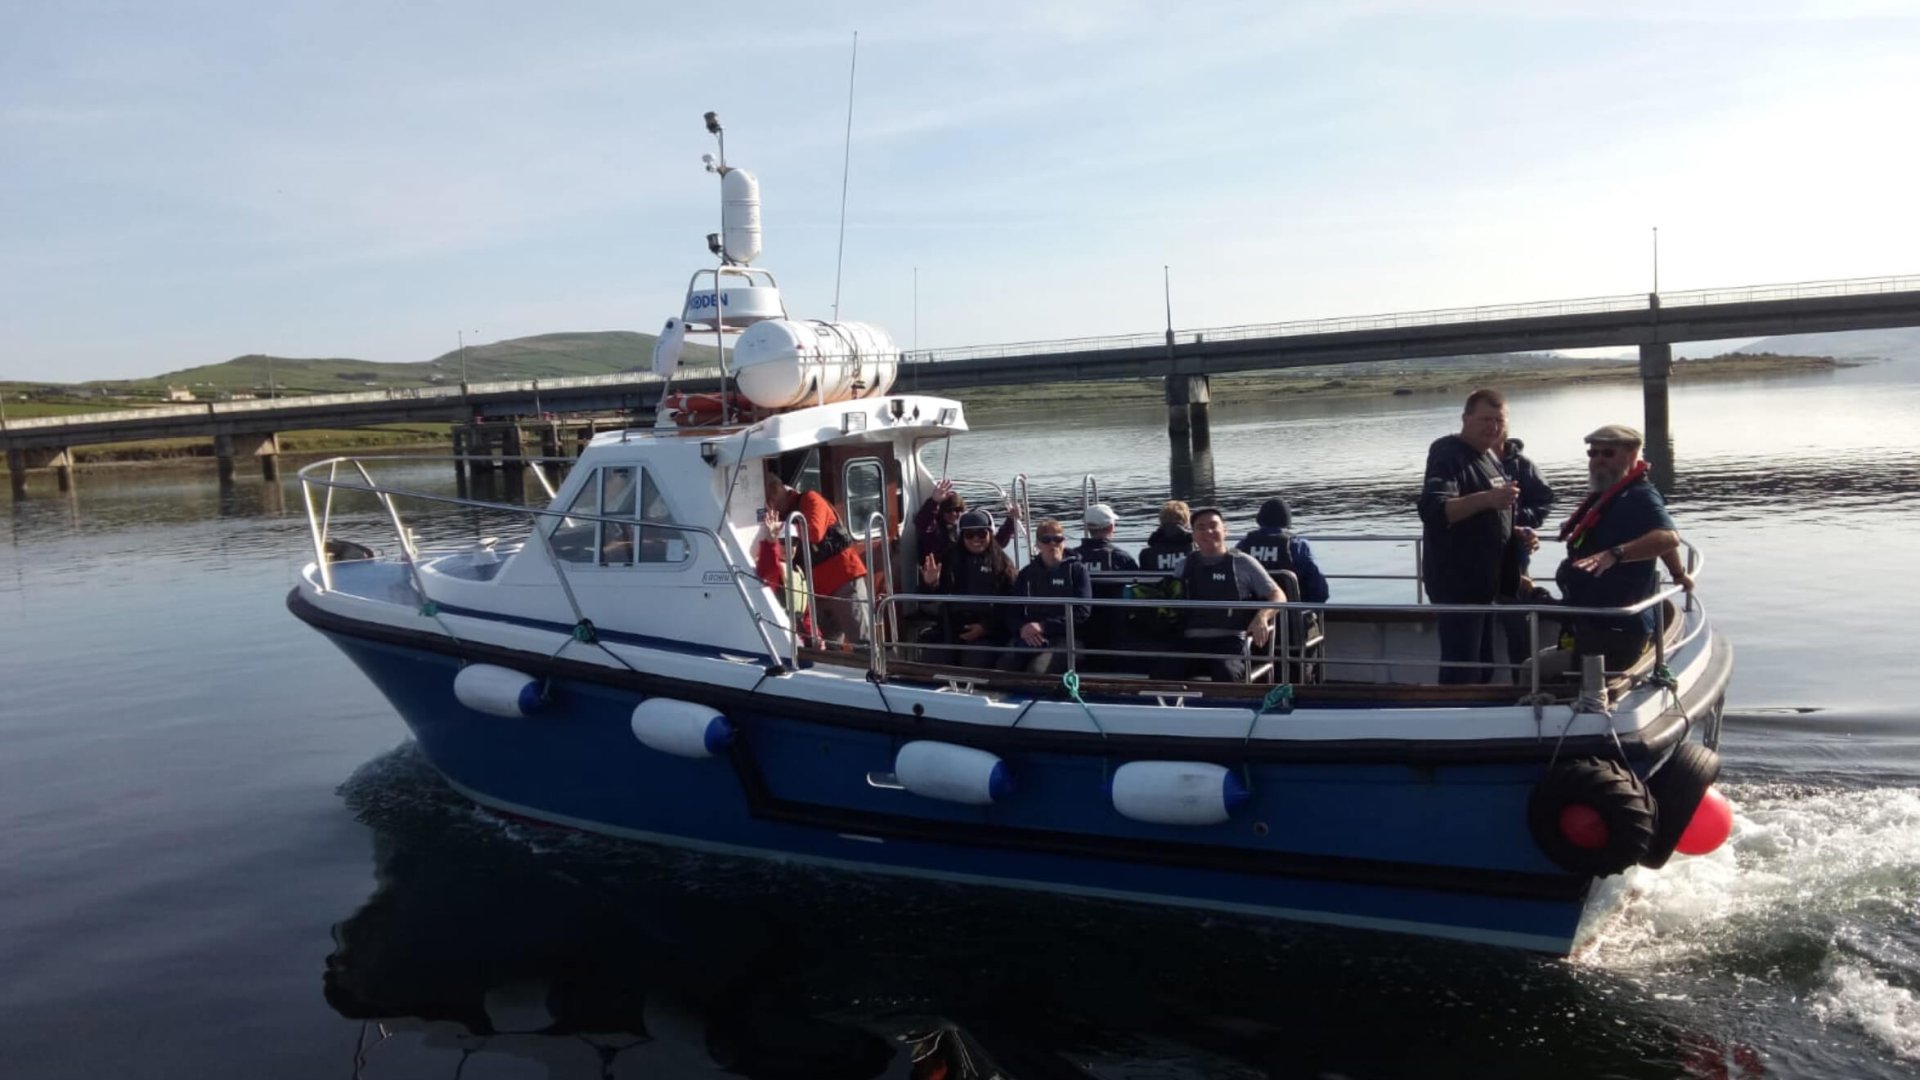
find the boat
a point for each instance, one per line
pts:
(614, 661)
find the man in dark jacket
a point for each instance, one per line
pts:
(1042, 628)
(1466, 517)
(1107, 628)
(1274, 544)
(1614, 538)
(1536, 497)
(1097, 550)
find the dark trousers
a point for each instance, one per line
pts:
(1034, 661)
(1467, 638)
(1216, 658)
(1619, 645)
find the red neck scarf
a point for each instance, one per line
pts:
(1587, 514)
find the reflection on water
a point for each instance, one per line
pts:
(492, 928)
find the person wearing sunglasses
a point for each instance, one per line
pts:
(1039, 630)
(975, 567)
(937, 522)
(1613, 539)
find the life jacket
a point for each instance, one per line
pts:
(1165, 548)
(1213, 582)
(1272, 547)
(973, 575)
(1102, 555)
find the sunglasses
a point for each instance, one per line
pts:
(953, 510)
(1053, 538)
(1604, 451)
(974, 534)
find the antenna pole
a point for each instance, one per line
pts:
(1656, 260)
(845, 161)
(1166, 284)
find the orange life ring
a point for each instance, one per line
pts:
(707, 410)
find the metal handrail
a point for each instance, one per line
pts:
(387, 495)
(1280, 640)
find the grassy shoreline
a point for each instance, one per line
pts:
(1294, 385)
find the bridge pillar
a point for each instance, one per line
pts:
(57, 458)
(1190, 435)
(1656, 366)
(513, 446)
(1188, 397)
(263, 445)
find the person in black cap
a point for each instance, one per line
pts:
(1274, 544)
(937, 522)
(1613, 539)
(977, 567)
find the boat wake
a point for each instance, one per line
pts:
(1815, 898)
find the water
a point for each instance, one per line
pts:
(221, 856)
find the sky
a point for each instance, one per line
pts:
(182, 183)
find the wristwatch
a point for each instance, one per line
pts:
(1619, 553)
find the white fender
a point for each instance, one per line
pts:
(1177, 792)
(497, 691)
(681, 728)
(937, 770)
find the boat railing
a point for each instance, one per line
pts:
(1293, 647)
(320, 518)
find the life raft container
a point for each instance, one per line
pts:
(1591, 816)
(1677, 789)
(706, 410)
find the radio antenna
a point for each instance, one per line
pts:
(845, 161)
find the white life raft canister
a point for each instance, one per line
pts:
(783, 363)
(1177, 792)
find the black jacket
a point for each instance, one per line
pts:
(1167, 546)
(1536, 497)
(1069, 579)
(1472, 560)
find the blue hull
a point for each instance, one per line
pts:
(1437, 849)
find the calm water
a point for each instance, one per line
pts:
(220, 854)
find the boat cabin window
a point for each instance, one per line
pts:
(618, 491)
(866, 495)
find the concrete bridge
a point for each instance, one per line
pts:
(1185, 358)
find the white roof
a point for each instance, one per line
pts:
(878, 419)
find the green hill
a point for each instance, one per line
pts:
(544, 356)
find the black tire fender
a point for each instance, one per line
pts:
(1677, 788)
(1613, 792)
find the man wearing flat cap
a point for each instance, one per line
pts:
(1614, 538)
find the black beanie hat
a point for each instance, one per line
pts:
(1274, 514)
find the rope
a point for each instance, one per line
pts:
(874, 678)
(1071, 682)
(432, 611)
(1278, 699)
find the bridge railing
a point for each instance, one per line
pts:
(312, 401)
(1593, 305)
(1804, 290)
